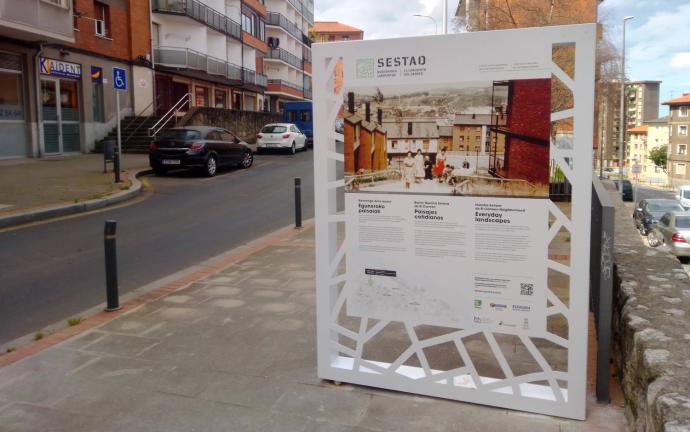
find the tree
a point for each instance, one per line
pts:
(658, 157)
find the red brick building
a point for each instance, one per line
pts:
(527, 132)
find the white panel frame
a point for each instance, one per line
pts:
(511, 392)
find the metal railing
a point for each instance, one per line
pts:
(202, 13)
(306, 55)
(190, 59)
(307, 93)
(172, 113)
(306, 40)
(261, 80)
(287, 57)
(287, 84)
(601, 282)
(279, 20)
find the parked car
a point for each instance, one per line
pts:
(683, 196)
(627, 189)
(672, 231)
(200, 147)
(283, 136)
(649, 211)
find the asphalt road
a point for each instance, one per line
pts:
(53, 271)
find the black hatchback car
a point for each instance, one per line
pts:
(627, 194)
(199, 147)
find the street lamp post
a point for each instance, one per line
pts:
(621, 129)
(431, 18)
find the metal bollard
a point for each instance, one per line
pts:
(298, 202)
(111, 287)
(116, 166)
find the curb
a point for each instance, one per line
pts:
(42, 214)
(142, 296)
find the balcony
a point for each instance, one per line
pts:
(307, 94)
(186, 58)
(200, 12)
(285, 87)
(278, 20)
(305, 11)
(284, 56)
(33, 20)
(250, 77)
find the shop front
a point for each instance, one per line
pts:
(60, 106)
(13, 107)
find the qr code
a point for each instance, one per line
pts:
(526, 289)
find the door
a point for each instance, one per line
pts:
(235, 149)
(164, 94)
(60, 109)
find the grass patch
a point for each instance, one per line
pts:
(75, 321)
(39, 335)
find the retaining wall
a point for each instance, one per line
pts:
(651, 330)
(245, 124)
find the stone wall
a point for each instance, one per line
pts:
(245, 124)
(651, 330)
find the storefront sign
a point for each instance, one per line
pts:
(455, 275)
(59, 68)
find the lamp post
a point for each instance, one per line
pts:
(445, 17)
(621, 129)
(431, 18)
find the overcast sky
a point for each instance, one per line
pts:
(658, 39)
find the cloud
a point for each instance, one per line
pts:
(681, 61)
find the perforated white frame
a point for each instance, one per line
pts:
(513, 392)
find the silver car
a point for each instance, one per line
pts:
(672, 231)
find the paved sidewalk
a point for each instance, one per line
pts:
(232, 351)
(39, 183)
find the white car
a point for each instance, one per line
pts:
(284, 136)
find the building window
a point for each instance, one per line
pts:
(682, 149)
(102, 19)
(97, 94)
(155, 35)
(331, 38)
(60, 3)
(394, 144)
(683, 111)
(220, 98)
(345, 38)
(682, 130)
(200, 96)
(680, 168)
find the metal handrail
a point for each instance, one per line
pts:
(285, 56)
(142, 122)
(172, 112)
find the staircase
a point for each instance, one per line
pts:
(134, 132)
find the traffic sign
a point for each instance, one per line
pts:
(119, 79)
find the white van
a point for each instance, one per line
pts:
(683, 196)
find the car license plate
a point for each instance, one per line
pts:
(171, 162)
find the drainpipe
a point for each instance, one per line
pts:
(37, 65)
(351, 102)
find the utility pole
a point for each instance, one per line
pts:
(621, 129)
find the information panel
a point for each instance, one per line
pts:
(450, 261)
(452, 202)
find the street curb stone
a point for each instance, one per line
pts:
(36, 215)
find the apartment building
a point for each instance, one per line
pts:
(211, 50)
(334, 31)
(288, 61)
(679, 139)
(56, 66)
(641, 102)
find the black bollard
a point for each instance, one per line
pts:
(111, 288)
(116, 166)
(298, 202)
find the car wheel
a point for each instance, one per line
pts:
(247, 160)
(305, 148)
(293, 149)
(211, 167)
(159, 171)
(652, 240)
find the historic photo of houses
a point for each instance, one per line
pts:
(474, 139)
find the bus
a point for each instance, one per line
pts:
(300, 113)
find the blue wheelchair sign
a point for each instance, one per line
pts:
(119, 79)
